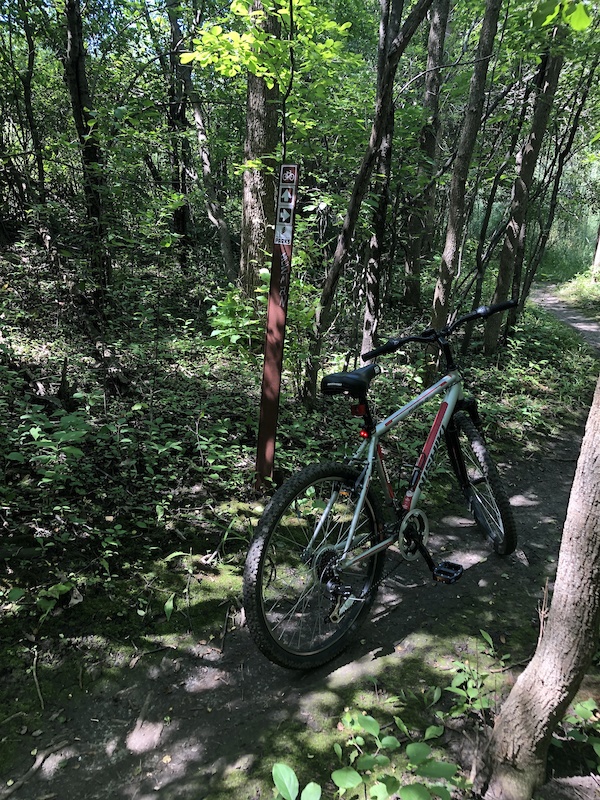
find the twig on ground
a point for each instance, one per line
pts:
(35, 677)
(39, 760)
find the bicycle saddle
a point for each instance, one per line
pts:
(355, 383)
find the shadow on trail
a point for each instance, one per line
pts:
(198, 722)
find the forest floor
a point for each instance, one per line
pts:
(199, 718)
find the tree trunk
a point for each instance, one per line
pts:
(389, 27)
(214, 208)
(541, 695)
(513, 248)
(92, 157)
(460, 172)
(596, 261)
(577, 103)
(420, 219)
(259, 183)
(323, 317)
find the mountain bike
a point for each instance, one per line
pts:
(317, 558)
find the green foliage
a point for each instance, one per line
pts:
(577, 738)
(372, 762)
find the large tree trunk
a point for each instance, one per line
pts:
(460, 172)
(258, 201)
(542, 693)
(92, 157)
(513, 248)
(420, 219)
(323, 317)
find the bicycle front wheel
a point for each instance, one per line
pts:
(483, 489)
(302, 604)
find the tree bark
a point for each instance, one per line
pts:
(323, 317)
(214, 208)
(542, 693)
(92, 157)
(596, 261)
(420, 219)
(259, 182)
(391, 11)
(460, 172)
(513, 248)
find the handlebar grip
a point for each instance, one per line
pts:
(487, 311)
(388, 347)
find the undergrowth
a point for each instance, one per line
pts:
(127, 499)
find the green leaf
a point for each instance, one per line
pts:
(338, 751)
(416, 791)
(432, 732)
(370, 725)
(437, 769)
(365, 761)
(169, 606)
(418, 752)
(176, 554)
(579, 20)
(16, 457)
(15, 594)
(346, 778)
(312, 791)
(487, 638)
(440, 791)
(379, 792)
(286, 781)
(390, 743)
(391, 783)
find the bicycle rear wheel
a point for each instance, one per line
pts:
(293, 612)
(482, 486)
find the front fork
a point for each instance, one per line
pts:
(468, 404)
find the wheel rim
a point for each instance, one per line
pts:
(297, 603)
(484, 506)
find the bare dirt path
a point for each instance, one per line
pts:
(588, 329)
(206, 723)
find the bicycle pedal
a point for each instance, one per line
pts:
(447, 572)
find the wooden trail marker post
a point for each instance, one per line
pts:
(281, 266)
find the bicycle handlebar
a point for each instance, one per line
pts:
(431, 335)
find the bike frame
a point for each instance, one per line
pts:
(369, 454)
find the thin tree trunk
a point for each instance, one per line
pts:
(421, 215)
(92, 157)
(214, 209)
(258, 199)
(391, 11)
(578, 103)
(513, 248)
(323, 317)
(542, 693)
(460, 172)
(596, 261)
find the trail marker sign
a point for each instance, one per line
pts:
(281, 265)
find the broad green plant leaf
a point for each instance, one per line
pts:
(579, 20)
(15, 594)
(370, 725)
(285, 781)
(390, 743)
(416, 791)
(432, 732)
(346, 778)
(418, 752)
(312, 791)
(437, 769)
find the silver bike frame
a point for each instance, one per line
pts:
(369, 455)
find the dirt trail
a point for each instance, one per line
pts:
(200, 723)
(588, 329)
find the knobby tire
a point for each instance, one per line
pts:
(288, 604)
(483, 490)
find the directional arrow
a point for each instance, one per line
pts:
(287, 196)
(285, 215)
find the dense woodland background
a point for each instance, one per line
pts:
(448, 157)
